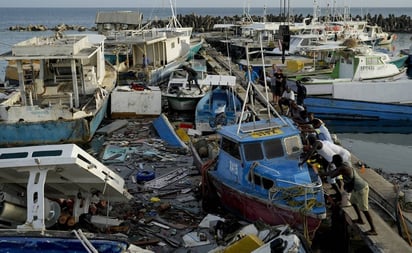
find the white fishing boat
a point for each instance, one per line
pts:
(357, 66)
(181, 95)
(153, 53)
(38, 182)
(65, 100)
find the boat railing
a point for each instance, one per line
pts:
(295, 191)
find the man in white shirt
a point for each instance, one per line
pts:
(287, 96)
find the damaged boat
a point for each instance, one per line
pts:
(48, 194)
(66, 100)
(257, 173)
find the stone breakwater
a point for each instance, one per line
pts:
(391, 23)
(41, 28)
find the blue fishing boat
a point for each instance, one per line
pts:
(220, 106)
(37, 184)
(257, 173)
(62, 93)
(333, 108)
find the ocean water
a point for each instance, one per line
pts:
(390, 152)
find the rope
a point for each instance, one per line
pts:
(405, 227)
(85, 242)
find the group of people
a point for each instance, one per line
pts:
(335, 159)
(282, 94)
(337, 169)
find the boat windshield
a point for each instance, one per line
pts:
(271, 149)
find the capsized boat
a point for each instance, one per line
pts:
(220, 106)
(66, 100)
(37, 184)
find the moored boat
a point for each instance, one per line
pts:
(66, 100)
(354, 109)
(355, 66)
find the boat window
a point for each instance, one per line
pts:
(14, 155)
(47, 153)
(253, 151)
(273, 148)
(231, 148)
(293, 145)
(261, 181)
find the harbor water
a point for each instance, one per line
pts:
(390, 152)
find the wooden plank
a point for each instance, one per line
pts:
(116, 125)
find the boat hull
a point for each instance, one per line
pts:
(207, 115)
(78, 131)
(358, 110)
(182, 103)
(254, 209)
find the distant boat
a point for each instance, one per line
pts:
(37, 181)
(358, 67)
(220, 106)
(179, 94)
(66, 100)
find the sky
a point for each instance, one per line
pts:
(202, 3)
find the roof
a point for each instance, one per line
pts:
(119, 17)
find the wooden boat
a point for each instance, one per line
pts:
(37, 181)
(66, 100)
(182, 97)
(220, 106)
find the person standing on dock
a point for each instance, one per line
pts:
(272, 73)
(251, 75)
(359, 189)
(287, 97)
(300, 92)
(279, 83)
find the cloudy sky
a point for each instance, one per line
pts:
(201, 3)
